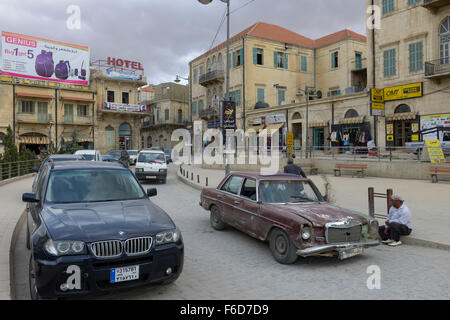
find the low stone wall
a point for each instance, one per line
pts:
(383, 169)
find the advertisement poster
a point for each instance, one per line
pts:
(124, 107)
(429, 122)
(228, 115)
(403, 92)
(435, 151)
(40, 59)
(123, 75)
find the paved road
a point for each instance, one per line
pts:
(231, 265)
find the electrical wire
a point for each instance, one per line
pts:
(218, 29)
(239, 8)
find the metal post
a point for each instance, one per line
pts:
(371, 202)
(307, 120)
(227, 166)
(389, 194)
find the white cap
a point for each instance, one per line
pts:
(397, 197)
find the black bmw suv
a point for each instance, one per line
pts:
(91, 227)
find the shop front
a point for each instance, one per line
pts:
(351, 134)
(36, 142)
(400, 126)
(319, 131)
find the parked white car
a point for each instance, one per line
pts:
(151, 165)
(90, 155)
(133, 156)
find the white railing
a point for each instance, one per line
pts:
(10, 170)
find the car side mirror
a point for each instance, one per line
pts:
(30, 198)
(152, 192)
(35, 170)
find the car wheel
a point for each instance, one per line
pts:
(216, 220)
(282, 248)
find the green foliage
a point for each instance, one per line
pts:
(73, 146)
(11, 153)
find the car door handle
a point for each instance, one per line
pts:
(237, 202)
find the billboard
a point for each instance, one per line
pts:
(40, 59)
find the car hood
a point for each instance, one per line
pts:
(92, 222)
(318, 214)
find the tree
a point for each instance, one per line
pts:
(73, 146)
(11, 154)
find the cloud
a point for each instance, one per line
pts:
(166, 34)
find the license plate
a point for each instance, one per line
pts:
(150, 177)
(348, 253)
(124, 274)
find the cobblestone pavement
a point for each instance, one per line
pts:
(230, 265)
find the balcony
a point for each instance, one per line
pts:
(33, 118)
(209, 114)
(359, 64)
(211, 78)
(174, 122)
(434, 5)
(437, 69)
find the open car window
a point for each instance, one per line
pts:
(249, 189)
(233, 185)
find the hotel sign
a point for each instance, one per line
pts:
(403, 92)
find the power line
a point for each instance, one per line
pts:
(239, 8)
(218, 29)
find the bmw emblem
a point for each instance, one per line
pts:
(121, 233)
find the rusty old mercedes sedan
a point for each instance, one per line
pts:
(290, 213)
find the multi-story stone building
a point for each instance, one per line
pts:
(271, 66)
(411, 55)
(168, 111)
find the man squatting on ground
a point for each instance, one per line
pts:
(398, 222)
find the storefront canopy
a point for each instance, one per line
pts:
(80, 138)
(276, 126)
(356, 120)
(34, 95)
(64, 98)
(318, 124)
(33, 139)
(402, 116)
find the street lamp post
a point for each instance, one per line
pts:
(307, 95)
(227, 90)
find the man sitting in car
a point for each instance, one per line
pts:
(398, 222)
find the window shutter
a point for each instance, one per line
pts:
(332, 60)
(234, 59)
(255, 55)
(420, 56)
(20, 106)
(339, 92)
(394, 62)
(242, 56)
(238, 98)
(286, 62)
(329, 94)
(275, 59)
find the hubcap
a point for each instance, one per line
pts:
(280, 245)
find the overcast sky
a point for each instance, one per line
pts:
(166, 34)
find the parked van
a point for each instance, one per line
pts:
(151, 165)
(90, 155)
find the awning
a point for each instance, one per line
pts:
(318, 124)
(256, 128)
(33, 139)
(353, 120)
(80, 138)
(34, 95)
(77, 99)
(402, 116)
(276, 126)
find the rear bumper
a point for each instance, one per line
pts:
(335, 247)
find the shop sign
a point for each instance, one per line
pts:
(435, 151)
(124, 107)
(122, 63)
(390, 138)
(42, 83)
(403, 92)
(255, 122)
(415, 138)
(377, 109)
(123, 75)
(390, 128)
(433, 121)
(228, 115)
(275, 118)
(290, 143)
(41, 59)
(377, 95)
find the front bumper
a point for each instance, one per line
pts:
(336, 247)
(96, 273)
(145, 174)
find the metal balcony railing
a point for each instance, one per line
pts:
(10, 170)
(434, 4)
(212, 76)
(209, 113)
(437, 68)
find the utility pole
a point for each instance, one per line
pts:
(307, 119)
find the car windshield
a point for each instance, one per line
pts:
(288, 191)
(132, 153)
(115, 154)
(151, 158)
(65, 159)
(92, 186)
(88, 157)
(168, 152)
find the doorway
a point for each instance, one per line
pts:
(319, 138)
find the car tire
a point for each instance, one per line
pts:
(282, 248)
(216, 220)
(34, 294)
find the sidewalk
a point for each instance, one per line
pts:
(429, 203)
(11, 210)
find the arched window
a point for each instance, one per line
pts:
(296, 116)
(110, 137)
(444, 40)
(209, 98)
(125, 129)
(352, 113)
(180, 116)
(214, 64)
(215, 98)
(220, 63)
(208, 65)
(403, 108)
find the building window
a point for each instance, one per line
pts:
(125, 98)
(195, 75)
(200, 105)
(358, 60)
(194, 107)
(42, 111)
(166, 114)
(416, 57)
(352, 113)
(110, 136)
(258, 56)
(444, 40)
(236, 97)
(389, 62)
(180, 116)
(208, 65)
(111, 96)
(281, 60)
(26, 106)
(388, 6)
(83, 110)
(238, 58)
(220, 62)
(68, 113)
(281, 97)
(202, 70)
(334, 93)
(335, 60)
(412, 2)
(403, 108)
(260, 94)
(304, 63)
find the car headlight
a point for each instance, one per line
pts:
(306, 233)
(65, 248)
(172, 236)
(139, 169)
(162, 170)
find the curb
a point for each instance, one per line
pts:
(15, 179)
(15, 236)
(405, 240)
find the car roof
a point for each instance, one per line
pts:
(86, 152)
(151, 151)
(65, 156)
(278, 176)
(75, 165)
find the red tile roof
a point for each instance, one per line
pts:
(276, 33)
(148, 89)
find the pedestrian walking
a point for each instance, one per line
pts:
(124, 158)
(294, 169)
(398, 222)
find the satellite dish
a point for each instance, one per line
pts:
(319, 94)
(205, 1)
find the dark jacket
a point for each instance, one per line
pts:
(294, 169)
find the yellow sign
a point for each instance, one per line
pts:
(290, 143)
(390, 129)
(415, 138)
(377, 95)
(43, 83)
(390, 138)
(435, 151)
(404, 92)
